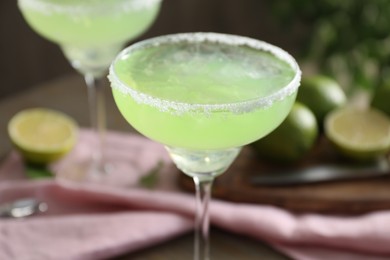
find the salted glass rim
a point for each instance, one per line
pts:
(48, 7)
(184, 107)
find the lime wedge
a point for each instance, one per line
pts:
(42, 135)
(362, 134)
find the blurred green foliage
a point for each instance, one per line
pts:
(346, 39)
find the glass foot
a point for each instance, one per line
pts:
(83, 171)
(117, 174)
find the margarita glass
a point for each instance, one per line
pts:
(204, 96)
(90, 34)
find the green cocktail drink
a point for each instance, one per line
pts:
(90, 32)
(104, 23)
(222, 83)
(204, 96)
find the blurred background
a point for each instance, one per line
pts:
(346, 39)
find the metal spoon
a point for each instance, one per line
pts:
(22, 208)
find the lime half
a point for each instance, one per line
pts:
(359, 134)
(42, 135)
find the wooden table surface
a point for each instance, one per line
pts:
(69, 94)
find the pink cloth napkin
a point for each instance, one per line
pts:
(96, 221)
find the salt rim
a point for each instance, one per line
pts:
(48, 7)
(181, 107)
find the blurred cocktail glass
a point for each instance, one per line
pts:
(90, 34)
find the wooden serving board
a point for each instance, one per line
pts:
(338, 197)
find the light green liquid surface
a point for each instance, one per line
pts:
(90, 32)
(88, 23)
(206, 74)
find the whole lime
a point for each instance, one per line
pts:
(42, 135)
(381, 98)
(293, 139)
(321, 94)
(359, 134)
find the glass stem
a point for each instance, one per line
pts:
(98, 118)
(202, 224)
